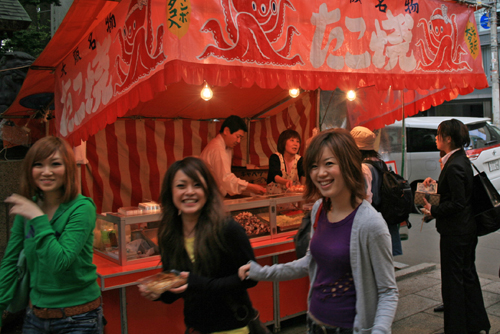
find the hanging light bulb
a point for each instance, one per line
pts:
(206, 93)
(294, 92)
(351, 95)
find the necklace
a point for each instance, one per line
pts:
(190, 233)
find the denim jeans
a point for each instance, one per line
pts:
(85, 323)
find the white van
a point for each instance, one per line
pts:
(422, 156)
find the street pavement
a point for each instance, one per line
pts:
(419, 292)
(422, 246)
(419, 282)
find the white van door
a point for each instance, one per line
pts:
(484, 151)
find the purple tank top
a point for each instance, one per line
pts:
(333, 296)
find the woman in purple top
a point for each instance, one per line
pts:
(349, 261)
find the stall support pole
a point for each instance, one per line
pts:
(247, 160)
(123, 310)
(495, 95)
(318, 101)
(403, 140)
(276, 301)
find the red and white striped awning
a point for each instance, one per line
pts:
(128, 159)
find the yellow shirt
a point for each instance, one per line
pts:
(189, 245)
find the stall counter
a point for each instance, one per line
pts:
(128, 312)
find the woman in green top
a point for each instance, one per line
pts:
(54, 225)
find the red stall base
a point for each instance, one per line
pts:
(124, 306)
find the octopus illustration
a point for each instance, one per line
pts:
(253, 26)
(441, 50)
(138, 45)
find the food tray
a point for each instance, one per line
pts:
(296, 189)
(288, 228)
(264, 216)
(297, 217)
(257, 235)
(261, 197)
(251, 222)
(154, 282)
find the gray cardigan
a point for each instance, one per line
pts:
(372, 269)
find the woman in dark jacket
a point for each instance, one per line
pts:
(464, 310)
(197, 238)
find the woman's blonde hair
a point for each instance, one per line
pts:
(40, 151)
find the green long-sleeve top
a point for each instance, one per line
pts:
(59, 257)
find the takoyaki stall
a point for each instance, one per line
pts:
(126, 79)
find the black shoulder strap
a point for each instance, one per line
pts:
(317, 215)
(477, 170)
(376, 165)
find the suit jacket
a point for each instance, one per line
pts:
(454, 212)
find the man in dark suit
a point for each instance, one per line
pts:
(464, 310)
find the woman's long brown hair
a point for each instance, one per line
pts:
(209, 239)
(348, 156)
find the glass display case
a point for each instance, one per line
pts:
(132, 237)
(126, 239)
(267, 216)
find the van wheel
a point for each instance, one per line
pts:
(416, 208)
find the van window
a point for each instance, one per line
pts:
(390, 140)
(483, 135)
(495, 133)
(421, 140)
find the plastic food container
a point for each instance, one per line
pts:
(161, 282)
(130, 210)
(149, 207)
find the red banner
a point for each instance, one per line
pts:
(142, 46)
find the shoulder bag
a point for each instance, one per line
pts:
(21, 284)
(302, 238)
(485, 204)
(256, 326)
(247, 314)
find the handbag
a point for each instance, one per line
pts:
(249, 315)
(485, 204)
(256, 326)
(22, 286)
(428, 192)
(433, 199)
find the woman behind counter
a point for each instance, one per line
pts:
(54, 225)
(349, 261)
(285, 166)
(464, 310)
(198, 238)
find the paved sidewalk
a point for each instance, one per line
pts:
(419, 292)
